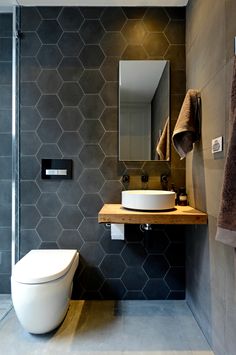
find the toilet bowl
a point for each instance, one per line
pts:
(41, 284)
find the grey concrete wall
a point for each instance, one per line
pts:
(211, 287)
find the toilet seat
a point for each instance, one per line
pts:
(40, 266)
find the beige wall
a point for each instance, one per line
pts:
(211, 285)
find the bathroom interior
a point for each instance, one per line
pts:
(159, 288)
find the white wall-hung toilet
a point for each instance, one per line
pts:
(41, 286)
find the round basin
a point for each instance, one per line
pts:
(148, 200)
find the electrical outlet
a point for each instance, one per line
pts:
(217, 145)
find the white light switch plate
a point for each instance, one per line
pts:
(217, 145)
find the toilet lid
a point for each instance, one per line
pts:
(40, 266)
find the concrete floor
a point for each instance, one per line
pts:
(111, 328)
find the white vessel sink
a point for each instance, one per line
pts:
(148, 200)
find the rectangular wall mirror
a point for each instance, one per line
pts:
(144, 110)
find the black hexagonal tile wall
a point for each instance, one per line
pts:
(49, 56)
(91, 106)
(69, 63)
(49, 106)
(49, 31)
(91, 81)
(91, 131)
(70, 19)
(91, 180)
(91, 31)
(91, 56)
(70, 44)
(70, 118)
(70, 69)
(49, 81)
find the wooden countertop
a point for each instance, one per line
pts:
(115, 213)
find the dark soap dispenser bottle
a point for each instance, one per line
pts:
(183, 198)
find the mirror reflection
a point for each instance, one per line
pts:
(144, 123)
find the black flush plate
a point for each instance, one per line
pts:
(56, 169)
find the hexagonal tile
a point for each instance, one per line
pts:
(70, 19)
(91, 230)
(91, 12)
(91, 81)
(134, 254)
(91, 278)
(49, 12)
(48, 245)
(134, 52)
(49, 81)
(91, 131)
(134, 31)
(134, 278)
(70, 239)
(30, 18)
(109, 119)
(29, 69)
(70, 94)
(90, 204)
(175, 254)
(91, 106)
(49, 229)
(113, 19)
(91, 56)
(175, 278)
(47, 185)
(30, 44)
(111, 192)
(77, 168)
(92, 253)
(113, 289)
(29, 94)
(49, 205)
(176, 55)
(113, 44)
(157, 241)
(29, 217)
(70, 44)
(111, 246)
(49, 56)
(30, 143)
(70, 118)
(175, 32)
(109, 94)
(49, 31)
(156, 290)
(49, 151)
(112, 169)
(70, 143)
(91, 156)
(134, 295)
(29, 168)
(134, 12)
(110, 68)
(109, 143)
(91, 180)
(155, 19)
(29, 192)
(49, 131)
(70, 217)
(29, 239)
(155, 44)
(70, 192)
(70, 69)
(112, 266)
(156, 266)
(133, 233)
(91, 31)
(29, 118)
